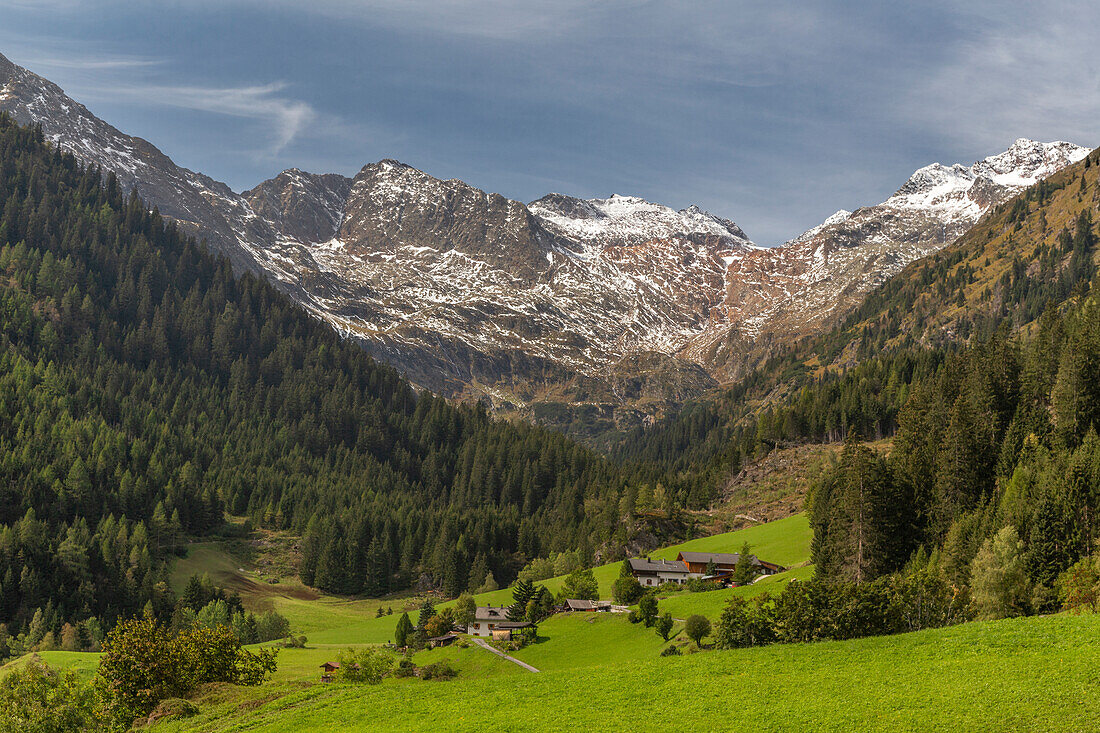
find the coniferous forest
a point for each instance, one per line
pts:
(146, 392)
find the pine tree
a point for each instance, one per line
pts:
(402, 632)
(522, 592)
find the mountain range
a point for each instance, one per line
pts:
(592, 316)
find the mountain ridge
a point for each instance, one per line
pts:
(544, 309)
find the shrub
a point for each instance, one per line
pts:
(743, 624)
(37, 698)
(1079, 587)
(365, 666)
(173, 708)
(647, 610)
(438, 671)
(626, 590)
(405, 668)
(698, 585)
(663, 626)
(671, 651)
(143, 663)
(440, 624)
(580, 584)
(697, 628)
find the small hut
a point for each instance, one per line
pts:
(328, 671)
(445, 640)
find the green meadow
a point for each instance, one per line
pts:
(1034, 674)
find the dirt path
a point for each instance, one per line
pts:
(499, 653)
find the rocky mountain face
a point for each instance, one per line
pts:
(589, 315)
(772, 296)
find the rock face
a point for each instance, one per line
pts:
(589, 315)
(805, 286)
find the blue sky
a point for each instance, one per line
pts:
(773, 114)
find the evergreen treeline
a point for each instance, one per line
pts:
(997, 449)
(145, 391)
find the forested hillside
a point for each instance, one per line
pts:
(145, 391)
(995, 470)
(1032, 254)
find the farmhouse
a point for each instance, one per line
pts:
(655, 572)
(724, 563)
(486, 619)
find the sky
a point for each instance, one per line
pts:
(773, 114)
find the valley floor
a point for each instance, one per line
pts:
(599, 671)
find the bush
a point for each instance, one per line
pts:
(697, 628)
(143, 663)
(580, 584)
(37, 698)
(405, 668)
(174, 708)
(365, 666)
(663, 627)
(438, 671)
(440, 624)
(743, 624)
(671, 651)
(647, 610)
(1079, 587)
(626, 590)
(698, 585)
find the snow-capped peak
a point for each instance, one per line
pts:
(1023, 164)
(629, 218)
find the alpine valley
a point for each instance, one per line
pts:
(592, 316)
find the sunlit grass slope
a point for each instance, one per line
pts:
(1035, 674)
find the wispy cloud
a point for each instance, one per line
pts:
(93, 63)
(1031, 71)
(285, 117)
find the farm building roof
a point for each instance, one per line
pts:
(580, 604)
(645, 565)
(718, 558)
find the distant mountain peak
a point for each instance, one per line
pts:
(632, 219)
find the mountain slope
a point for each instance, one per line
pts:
(593, 316)
(1028, 255)
(774, 296)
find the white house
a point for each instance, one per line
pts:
(654, 572)
(486, 619)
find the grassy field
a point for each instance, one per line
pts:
(1031, 674)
